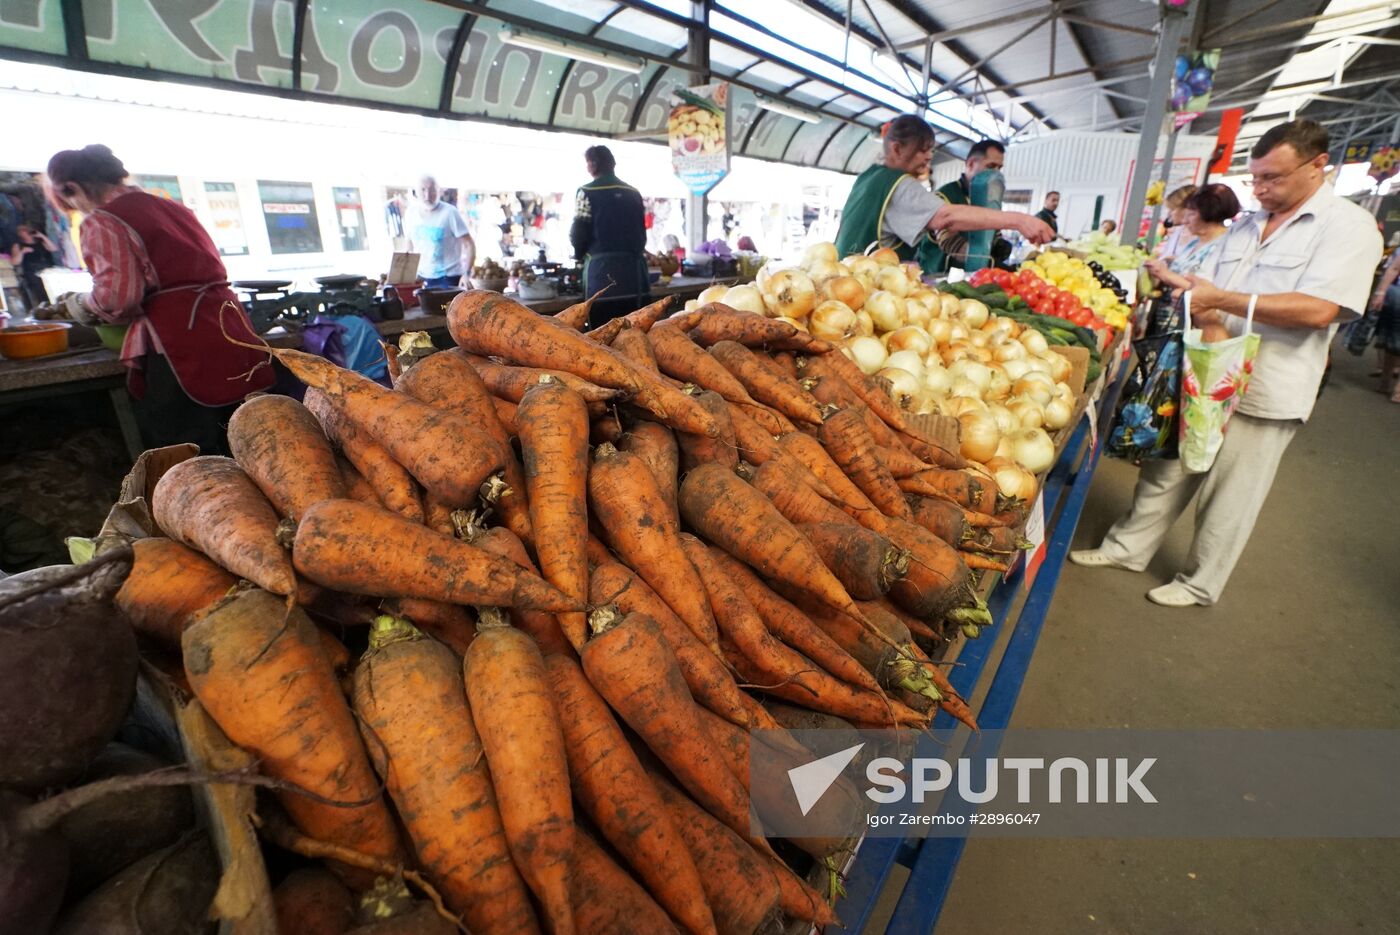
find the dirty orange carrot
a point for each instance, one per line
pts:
(917, 627)
(899, 461)
(640, 320)
(259, 670)
(169, 584)
(437, 515)
(505, 411)
(784, 395)
(710, 683)
(209, 504)
(718, 322)
(576, 315)
(981, 562)
(633, 344)
(655, 444)
(848, 496)
(625, 500)
(609, 782)
(796, 500)
(544, 627)
(553, 424)
(390, 481)
(630, 664)
(356, 487)
(865, 562)
(448, 381)
(830, 388)
(514, 711)
(951, 702)
(770, 420)
(424, 742)
(698, 449)
(358, 549)
(944, 518)
(607, 901)
(858, 706)
(511, 383)
(449, 624)
(959, 487)
(682, 358)
(282, 448)
(938, 577)
(846, 439)
(794, 627)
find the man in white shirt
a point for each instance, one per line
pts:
(438, 233)
(1308, 256)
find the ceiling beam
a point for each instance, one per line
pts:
(943, 35)
(1121, 63)
(1105, 24)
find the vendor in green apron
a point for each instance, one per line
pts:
(609, 234)
(890, 205)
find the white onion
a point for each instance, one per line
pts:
(845, 288)
(962, 386)
(1062, 391)
(978, 435)
(1016, 369)
(999, 386)
(886, 310)
(977, 374)
(902, 382)
(956, 406)
(984, 354)
(1057, 414)
(1038, 364)
(958, 331)
(911, 338)
(937, 379)
(1029, 413)
(823, 270)
(925, 404)
(892, 280)
(979, 339)
(885, 256)
(916, 311)
(906, 360)
(1010, 350)
(940, 331)
(868, 353)
(799, 325)
(790, 294)
(1032, 449)
(692, 305)
(1060, 367)
(1005, 420)
(999, 325)
(1036, 391)
(1013, 481)
(954, 352)
(822, 252)
(973, 312)
(714, 293)
(832, 321)
(1034, 341)
(745, 299)
(949, 303)
(864, 323)
(858, 263)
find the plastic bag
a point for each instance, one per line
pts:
(1214, 377)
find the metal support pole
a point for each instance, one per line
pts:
(1173, 27)
(1166, 175)
(697, 54)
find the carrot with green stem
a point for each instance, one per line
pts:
(609, 782)
(167, 586)
(423, 740)
(630, 664)
(951, 701)
(784, 395)
(282, 448)
(543, 627)
(699, 449)
(259, 670)
(209, 504)
(983, 563)
(866, 563)
(682, 358)
(553, 423)
(710, 683)
(938, 582)
(641, 320)
(358, 549)
(655, 444)
(513, 707)
(392, 484)
(607, 901)
(795, 628)
(636, 523)
(846, 439)
(448, 381)
(451, 625)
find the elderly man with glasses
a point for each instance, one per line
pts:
(1306, 256)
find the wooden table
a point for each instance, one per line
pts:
(97, 369)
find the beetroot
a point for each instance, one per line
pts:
(33, 870)
(166, 893)
(67, 669)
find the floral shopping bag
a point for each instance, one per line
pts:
(1214, 377)
(1145, 426)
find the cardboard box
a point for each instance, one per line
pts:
(1079, 366)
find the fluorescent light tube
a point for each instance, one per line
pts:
(788, 111)
(554, 46)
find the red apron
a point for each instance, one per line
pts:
(185, 309)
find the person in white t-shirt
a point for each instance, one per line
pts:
(438, 233)
(1307, 255)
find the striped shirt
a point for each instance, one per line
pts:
(122, 275)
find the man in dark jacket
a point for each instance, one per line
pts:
(1047, 213)
(609, 235)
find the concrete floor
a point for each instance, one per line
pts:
(1306, 636)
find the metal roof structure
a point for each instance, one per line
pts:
(813, 79)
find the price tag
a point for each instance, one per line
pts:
(1092, 412)
(1035, 535)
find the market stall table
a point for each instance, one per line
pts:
(97, 369)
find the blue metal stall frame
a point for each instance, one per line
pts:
(932, 862)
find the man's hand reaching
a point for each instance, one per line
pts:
(1034, 229)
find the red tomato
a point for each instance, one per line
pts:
(1003, 278)
(1065, 303)
(1081, 316)
(981, 277)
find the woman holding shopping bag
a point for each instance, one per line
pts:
(1303, 264)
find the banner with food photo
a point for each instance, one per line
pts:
(1192, 81)
(699, 135)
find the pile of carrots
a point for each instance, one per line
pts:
(582, 566)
